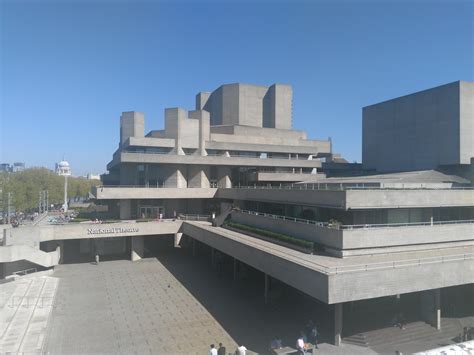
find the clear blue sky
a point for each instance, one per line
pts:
(69, 68)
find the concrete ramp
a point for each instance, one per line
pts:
(25, 306)
(13, 253)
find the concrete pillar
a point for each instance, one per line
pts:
(337, 323)
(438, 309)
(194, 247)
(198, 176)
(125, 209)
(204, 129)
(61, 251)
(138, 248)
(177, 239)
(235, 269)
(223, 177)
(175, 119)
(267, 286)
(175, 176)
(430, 307)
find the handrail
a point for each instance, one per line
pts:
(171, 153)
(24, 272)
(401, 263)
(355, 226)
(150, 186)
(343, 187)
(334, 270)
(316, 187)
(194, 217)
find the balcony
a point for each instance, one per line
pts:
(230, 160)
(351, 240)
(145, 192)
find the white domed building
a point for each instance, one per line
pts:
(63, 169)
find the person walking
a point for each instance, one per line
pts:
(212, 350)
(300, 344)
(241, 350)
(97, 259)
(221, 350)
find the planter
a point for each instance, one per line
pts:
(271, 240)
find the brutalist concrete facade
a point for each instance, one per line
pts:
(424, 130)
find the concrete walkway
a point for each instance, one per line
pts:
(129, 307)
(24, 311)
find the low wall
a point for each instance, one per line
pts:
(45, 233)
(326, 236)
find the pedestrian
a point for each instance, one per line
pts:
(221, 350)
(241, 350)
(213, 350)
(313, 336)
(97, 259)
(174, 215)
(300, 344)
(161, 216)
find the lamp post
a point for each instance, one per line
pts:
(63, 169)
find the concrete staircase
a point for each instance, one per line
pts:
(383, 339)
(24, 312)
(34, 255)
(219, 220)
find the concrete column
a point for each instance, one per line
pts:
(438, 309)
(138, 248)
(213, 257)
(61, 251)
(204, 129)
(236, 265)
(194, 247)
(177, 239)
(175, 119)
(175, 176)
(223, 177)
(337, 323)
(267, 287)
(125, 209)
(198, 176)
(430, 307)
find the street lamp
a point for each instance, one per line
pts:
(63, 169)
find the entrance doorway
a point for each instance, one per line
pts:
(151, 211)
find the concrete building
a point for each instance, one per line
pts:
(420, 131)
(396, 242)
(237, 135)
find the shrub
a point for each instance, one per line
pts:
(273, 235)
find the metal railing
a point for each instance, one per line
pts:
(355, 226)
(344, 187)
(194, 217)
(223, 155)
(383, 265)
(400, 263)
(25, 272)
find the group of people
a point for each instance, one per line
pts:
(309, 335)
(241, 350)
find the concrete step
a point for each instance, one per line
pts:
(357, 339)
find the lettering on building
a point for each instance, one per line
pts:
(115, 230)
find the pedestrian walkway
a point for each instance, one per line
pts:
(26, 305)
(129, 307)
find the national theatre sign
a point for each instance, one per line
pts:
(115, 230)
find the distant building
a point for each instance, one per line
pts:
(15, 167)
(91, 176)
(425, 130)
(18, 166)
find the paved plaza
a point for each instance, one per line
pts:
(126, 307)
